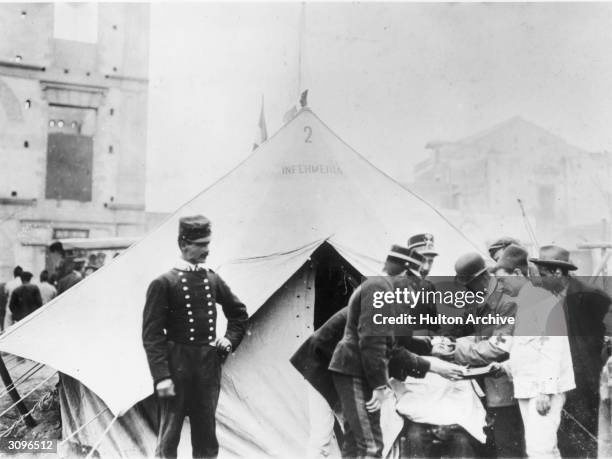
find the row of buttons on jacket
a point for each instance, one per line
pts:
(188, 305)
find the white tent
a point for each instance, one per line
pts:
(303, 187)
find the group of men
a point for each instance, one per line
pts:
(19, 297)
(543, 368)
(543, 381)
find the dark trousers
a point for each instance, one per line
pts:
(506, 435)
(426, 441)
(579, 423)
(196, 372)
(363, 435)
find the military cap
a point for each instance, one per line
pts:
(513, 257)
(194, 229)
(555, 257)
(501, 243)
(468, 267)
(422, 243)
(398, 254)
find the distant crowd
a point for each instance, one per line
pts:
(21, 296)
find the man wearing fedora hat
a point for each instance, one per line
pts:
(584, 309)
(491, 343)
(540, 362)
(182, 347)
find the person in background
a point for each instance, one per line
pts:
(25, 298)
(424, 245)
(47, 290)
(89, 270)
(8, 290)
(74, 276)
(421, 252)
(58, 263)
(3, 305)
(497, 247)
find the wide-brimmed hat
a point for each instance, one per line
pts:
(468, 267)
(554, 256)
(513, 257)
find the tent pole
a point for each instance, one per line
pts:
(12, 390)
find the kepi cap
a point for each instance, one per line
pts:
(422, 243)
(194, 229)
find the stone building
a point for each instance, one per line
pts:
(559, 185)
(73, 123)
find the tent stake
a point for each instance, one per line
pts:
(8, 383)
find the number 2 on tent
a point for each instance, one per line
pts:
(308, 131)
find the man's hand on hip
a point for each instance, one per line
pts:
(165, 388)
(224, 344)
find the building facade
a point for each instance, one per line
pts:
(73, 124)
(559, 185)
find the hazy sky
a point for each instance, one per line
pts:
(387, 77)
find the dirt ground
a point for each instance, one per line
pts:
(43, 401)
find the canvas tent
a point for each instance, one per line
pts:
(302, 189)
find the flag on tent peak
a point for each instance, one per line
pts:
(262, 132)
(304, 98)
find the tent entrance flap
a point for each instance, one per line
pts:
(335, 281)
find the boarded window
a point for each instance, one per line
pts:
(69, 166)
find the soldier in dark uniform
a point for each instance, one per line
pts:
(422, 255)
(184, 353)
(359, 361)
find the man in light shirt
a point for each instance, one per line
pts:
(47, 291)
(540, 363)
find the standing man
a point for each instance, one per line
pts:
(179, 337)
(424, 245)
(422, 254)
(8, 290)
(584, 309)
(540, 362)
(73, 277)
(47, 291)
(25, 299)
(490, 343)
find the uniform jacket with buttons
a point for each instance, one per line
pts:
(181, 307)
